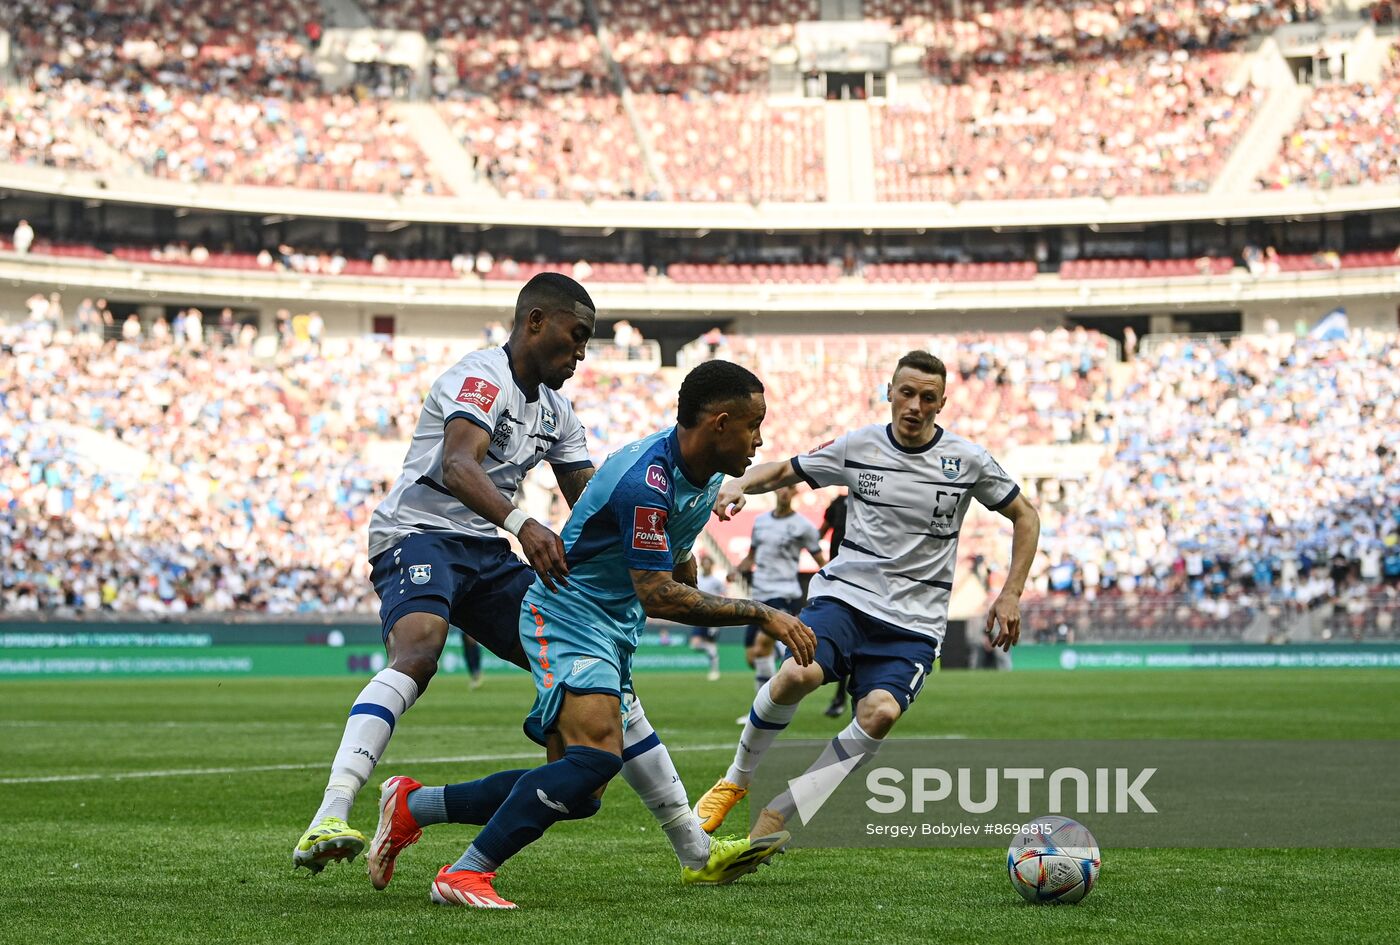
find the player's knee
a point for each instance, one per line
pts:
(795, 681)
(877, 713)
(591, 721)
(419, 666)
(595, 767)
(415, 644)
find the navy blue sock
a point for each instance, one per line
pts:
(473, 652)
(474, 802)
(561, 790)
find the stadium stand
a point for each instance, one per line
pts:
(1296, 511)
(1025, 100)
(202, 93)
(1347, 135)
(1151, 124)
(693, 48)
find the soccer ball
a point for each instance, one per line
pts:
(1055, 861)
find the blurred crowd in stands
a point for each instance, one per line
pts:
(192, 466)
(1347, 135)
(1029, 100)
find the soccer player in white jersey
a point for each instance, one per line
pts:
(879, 610)
(775, 552)
(439, 560)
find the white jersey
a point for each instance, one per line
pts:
(905, 510)
(712, 584)
(525, 428)
(777, 545)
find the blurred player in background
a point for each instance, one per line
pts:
(628, 546)
(706, 639)
(775, 553)
(880, 610)
(471, 650)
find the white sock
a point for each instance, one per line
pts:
(849, 742)
(372, 719)
(763, 669)
(647, 767)
(772, 718)
(712, 651)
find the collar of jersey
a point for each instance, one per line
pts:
(937, 435)
(510, 362)
(673, 447)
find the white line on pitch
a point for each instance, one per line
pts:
(198, 772)
(250, 769)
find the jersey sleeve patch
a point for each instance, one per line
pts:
(656, 478)
(478, 392)
(649, 529)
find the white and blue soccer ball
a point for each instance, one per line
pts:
(1055, 860)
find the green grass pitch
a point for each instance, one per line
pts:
(127, 849)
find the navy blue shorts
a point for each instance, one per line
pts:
(788, 605)
(872, 653)
(475, 584)
(704, 633)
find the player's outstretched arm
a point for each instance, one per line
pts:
(1005, 612)
(464, 447)
(664, 597)
(764, 477)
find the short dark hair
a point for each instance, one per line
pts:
(924, 362)
(711, 384)
(551, 292)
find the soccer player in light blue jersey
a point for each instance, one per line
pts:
(628, 550)
(880, 608)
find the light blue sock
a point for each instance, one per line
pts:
(475, 861)
(428, 805)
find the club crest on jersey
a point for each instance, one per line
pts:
(548, 423)
(656, 478)
(582, 663)
(649, 529)
(952, 466)
(478, 392)
(420, 573)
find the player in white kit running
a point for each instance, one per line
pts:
(880, 608)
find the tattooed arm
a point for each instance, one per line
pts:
(664, 597)
(572, 482)
(687, 572)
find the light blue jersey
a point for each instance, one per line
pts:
(641, 511)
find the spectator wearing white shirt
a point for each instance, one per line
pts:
(24, 236)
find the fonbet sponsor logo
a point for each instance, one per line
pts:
(649, 529)
(478, 392)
